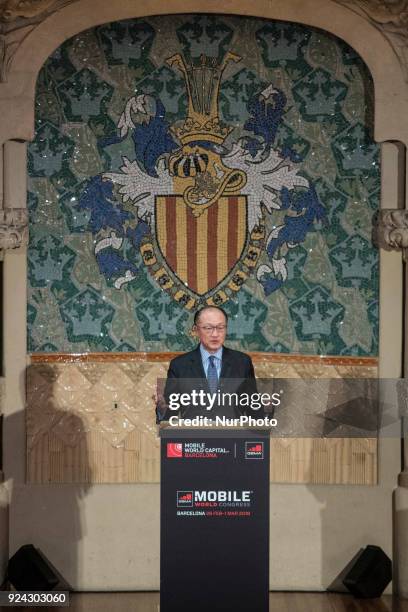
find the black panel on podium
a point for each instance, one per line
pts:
(214, 520)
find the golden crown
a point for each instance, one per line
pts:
(203, 84)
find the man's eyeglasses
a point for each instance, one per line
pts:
(209, 329)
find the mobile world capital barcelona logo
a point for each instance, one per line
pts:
(195, 450)
(174, 450)
(254, 450)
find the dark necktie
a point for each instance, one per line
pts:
(212, 375)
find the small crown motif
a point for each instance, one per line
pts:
(282, 43)
(86, 314)
(316, 314)
(355, 259)
(49, 259)
(203, 80)
(320, 94)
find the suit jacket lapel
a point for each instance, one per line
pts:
(197, 370)
(226, 366)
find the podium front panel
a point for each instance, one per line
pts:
(214, 521)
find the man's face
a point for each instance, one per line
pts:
(211, 329)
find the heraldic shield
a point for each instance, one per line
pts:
(202, 250)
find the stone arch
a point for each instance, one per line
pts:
(373, 47)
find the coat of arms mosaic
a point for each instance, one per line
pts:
(189, 160)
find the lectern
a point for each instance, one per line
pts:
(214, 520)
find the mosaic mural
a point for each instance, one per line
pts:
(192, 159)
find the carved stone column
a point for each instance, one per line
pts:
(392, 233)
(401, 493)
(392, 230)
(13, 228)
(13, 214)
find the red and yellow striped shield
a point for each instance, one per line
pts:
(201, 250)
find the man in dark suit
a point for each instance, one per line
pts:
(211, 368)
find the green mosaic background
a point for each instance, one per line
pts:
(329, 303)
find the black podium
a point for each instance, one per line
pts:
(214, 520)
